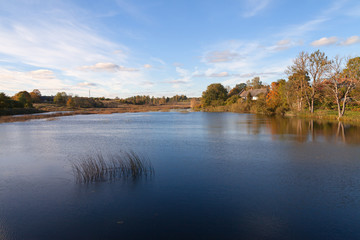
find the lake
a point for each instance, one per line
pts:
(217, 176)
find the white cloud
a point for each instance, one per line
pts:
(211, 74)
(181, 71)
(42, 74)
(256, 60)
(221, 74)
(107, 67)
(162, 62)
(178, 81)
(351, 40)
(254, 7)
(185, 77)
(147, 66)
(221, 56)
(87, 84)
(54, 36)
(232, 57)
(14, 81)
(283, 45)
(300, 30)
(283, 42)
(54, 44)
(325, 41)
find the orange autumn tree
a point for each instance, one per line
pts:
(276, 100)
(273, 99)
(70, 102)
(24, 98)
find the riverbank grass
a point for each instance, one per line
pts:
(350, 116)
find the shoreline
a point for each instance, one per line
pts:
(62, 112)
(328, 115)
(54, 112)
(351, 117)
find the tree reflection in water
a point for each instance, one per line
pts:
(305, 130)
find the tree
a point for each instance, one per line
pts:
(24, 98)
(318, 66)
(60, 98)
(299, 80)
(5, 101)
(273, 99)
(162, 101)
(215, 94)
(254, 83)
(313, 67)
(298, 86)
(343, 81)
(237, 89)
(35, 95)
(70, 102)
(276, 99)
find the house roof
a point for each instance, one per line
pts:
(254, 92)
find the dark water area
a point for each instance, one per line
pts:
(217, 176)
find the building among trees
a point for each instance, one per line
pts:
(254, 93)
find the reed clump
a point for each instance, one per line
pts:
(97, 168)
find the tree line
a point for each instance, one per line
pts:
(25, 99)
(141, 100)
(21, 99)
(313, 82)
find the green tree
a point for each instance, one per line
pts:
(254, 83)
(60, 98)
(237, 89)
(215, 95)
(24, 98)
(4, 101)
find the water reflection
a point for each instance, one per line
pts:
(305, 130)
(278, 128)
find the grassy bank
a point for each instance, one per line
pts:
(350, 116)
(258, 108)
(19, 111)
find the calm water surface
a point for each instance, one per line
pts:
(217, 176)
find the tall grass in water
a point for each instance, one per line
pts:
(97, 168)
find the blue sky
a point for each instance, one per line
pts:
(164, 47)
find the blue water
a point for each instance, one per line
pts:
(217, 176)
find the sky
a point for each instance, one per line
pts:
(122, 48)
